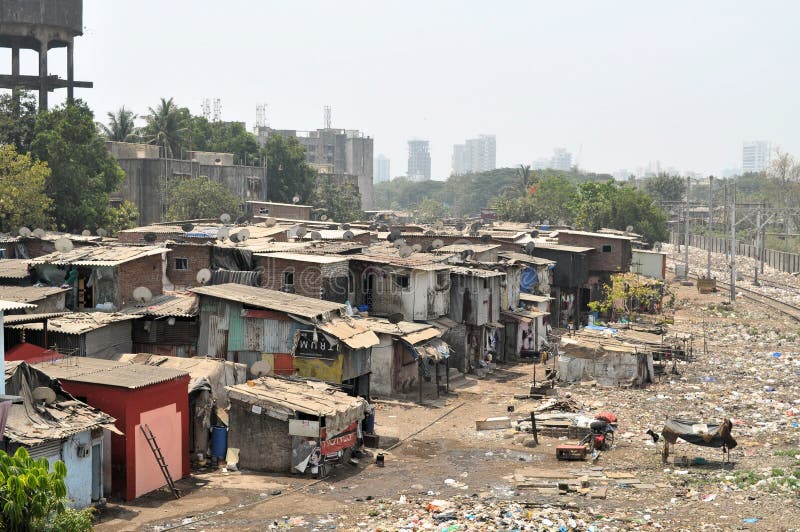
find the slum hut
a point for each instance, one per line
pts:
(569, 282)
(471, 251)
(537, 272)
(5, 307)
(318, 276)
(15, 272)
(418, 287)
(649, 263)
(38, 244)
(283, 425)
(166, 325)
(287, 333)
(596, 353)
(136, 396)
(50, 423)
(404, 358)
(279, 210)
(208, 398)
(535, 302)
(613, 254)
(84, 334)
(46, 298)
(475, 301)
(104, 276)
(524, 334)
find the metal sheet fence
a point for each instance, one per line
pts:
(780, 260)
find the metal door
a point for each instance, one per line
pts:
(97, 471)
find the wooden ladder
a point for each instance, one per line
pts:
(151, 441)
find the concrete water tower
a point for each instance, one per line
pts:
(40, 25)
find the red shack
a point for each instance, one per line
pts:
(135, 395)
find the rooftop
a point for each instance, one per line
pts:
(173, 304)
(458, 248)
(523, 296)
(416, 261)
(563, 247)
(100, 255)
(108, 372)
(80, 322)
(306, 307)
(475, 272)
(29, 294)
(301, 257)
(526, 259)
(598, 235)
(13, 268)
(14, 305)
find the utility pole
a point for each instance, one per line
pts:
(763, 240)
(758, 243)
(686, 232)
(710, 224)
(733, 243)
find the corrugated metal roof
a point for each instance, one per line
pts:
(417, 261)
(333, 234)
(289, 397)
(306, 307)
(13, 268)
(475, 272)
(563, 247)
(80, 322)
(524, 315)
(14, 305)
(318, 259)
(100, 255)
(174, 304)
(29, 294)
(526, 259)
(534, 298)
(350, 331)
(27, 318)
(109, 372)
(458, 248)
(589, 233)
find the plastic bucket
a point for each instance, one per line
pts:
(219, 441)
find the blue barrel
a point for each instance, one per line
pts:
(369, 423)
(219, 441)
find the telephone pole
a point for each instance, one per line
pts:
(710, 224)
(686, 232)
(758, 243)
(733, 243)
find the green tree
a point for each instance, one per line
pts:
(618, 207)
(34, 497)
(555, 199)
(516, 209)
(167, 126)
(121, 125)
(18, 120)
(83, 173)
(199, 197)
(431, 210)
(525, 181)
(626, 295)
(23, 200)
(665, 187)
(126, 216)
(289, 174)
(341, 202)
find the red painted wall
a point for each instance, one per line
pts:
(126, 406)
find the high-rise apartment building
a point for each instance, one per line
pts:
(382, 171)
(419, 160)
(561, 160)
(475, 155)
(756, 156)
(344, 152)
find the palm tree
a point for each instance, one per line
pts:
(121, 125)
(524, 175)
(166, 126)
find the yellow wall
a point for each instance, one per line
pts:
(319, 368)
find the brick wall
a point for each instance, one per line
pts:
(145, 271)
(264, 443)
(198, 257)
(310, 279)
(617, 260)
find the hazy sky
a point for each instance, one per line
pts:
(620, 82)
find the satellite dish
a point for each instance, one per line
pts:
(296, 199)
(204, 276)
(300, 231)
(142, 294)
(345, 227)
(534, 233)
(629, 229)
(405, 251)
(270, 222)
(529, 247)
(436, 244)
(348, 235)
(63, 244)
(102, 233)
(149, 237)
(417, 248)
(429, 233)
(475, 226)
(323, 217)
(86, 232)
(225, 218)
(223, 233)
(460, 226)
(24, 232)
(244, 234)
(395, 318)
(234, 238)
(261, 368)
(383, 228)
(466, 254)
(187, 227)
(38, 233)
(400, 242)
(486, 238)
(44, 394)
(316, 235)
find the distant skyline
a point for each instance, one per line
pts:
(618, 83)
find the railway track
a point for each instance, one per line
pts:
(774, 303)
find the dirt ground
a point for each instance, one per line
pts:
(734, 375)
